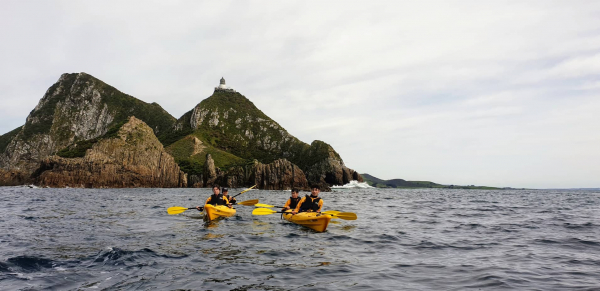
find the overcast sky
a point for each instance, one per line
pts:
(498, 93)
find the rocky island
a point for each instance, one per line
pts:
(85, 133)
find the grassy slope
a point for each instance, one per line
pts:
(224, 138)
(193, 164)
(400, 183)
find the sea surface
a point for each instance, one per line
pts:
(426, 239)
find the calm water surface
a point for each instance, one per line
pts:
(123, 239)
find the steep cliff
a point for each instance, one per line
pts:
(223, 139)
(229, 122)
(78, 107)
(133, 158)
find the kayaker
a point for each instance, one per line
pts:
(216, 198)
(231, 200)
(312, 203)
(293, 201)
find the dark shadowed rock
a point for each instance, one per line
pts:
(14, 178)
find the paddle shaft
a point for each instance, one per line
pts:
(243, 191)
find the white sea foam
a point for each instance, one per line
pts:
(354, 184)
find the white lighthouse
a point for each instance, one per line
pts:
(223, 87)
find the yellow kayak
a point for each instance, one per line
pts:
(214, 212)
(312, 220)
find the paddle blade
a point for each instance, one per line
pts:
(249, 202)
(346, 215)
(263, 205)
(331, 212)
(176, 210)
(248, 189)
(263, 211)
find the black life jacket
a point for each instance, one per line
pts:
(294, 202)
(217, 200)
(310, 204)
(231, 200)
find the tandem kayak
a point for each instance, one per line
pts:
(312, 220)
(214, 212)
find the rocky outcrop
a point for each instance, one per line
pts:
(14, 178)
(210, 171)
(246, 132)
(77, 107)
(278, 175)
(134, 158)
(69, 139)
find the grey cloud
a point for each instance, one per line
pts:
(451, 91)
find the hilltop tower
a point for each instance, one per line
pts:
(223, 87)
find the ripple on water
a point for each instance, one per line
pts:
(432, 240)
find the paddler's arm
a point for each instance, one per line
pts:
(208, 199)
(287, 205)
(298, 206)
(320, 205)
(227, 202)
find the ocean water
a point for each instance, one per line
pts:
(426, 239)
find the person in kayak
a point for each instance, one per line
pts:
(231, 200)
(216, 198)
(293, 201)
(312, 203)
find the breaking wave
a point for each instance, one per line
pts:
(354, 184)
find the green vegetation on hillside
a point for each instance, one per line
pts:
(193, 164)
(7, 137)
(400, 183)
(120, 104)
(124, 106)
(224, 138)
(78, 149)
(243, 118)
(44, 116)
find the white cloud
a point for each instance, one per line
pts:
(451, 91)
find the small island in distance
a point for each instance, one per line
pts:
(400, 183)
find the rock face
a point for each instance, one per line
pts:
(76, 108)
(134, 158)
(13, 178)
(278, 175)
(70, 139)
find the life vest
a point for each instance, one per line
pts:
(231, 200)
(294, 202)
(216, 200)
(310, 204)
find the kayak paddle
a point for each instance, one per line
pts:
(248, 202)
(342, 215)
(324, 212)
(266, 205)
(179, 209)
(243, 191)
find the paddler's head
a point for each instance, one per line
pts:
(295, 193)
(225, 191)
(315, 190)
(216, 189)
